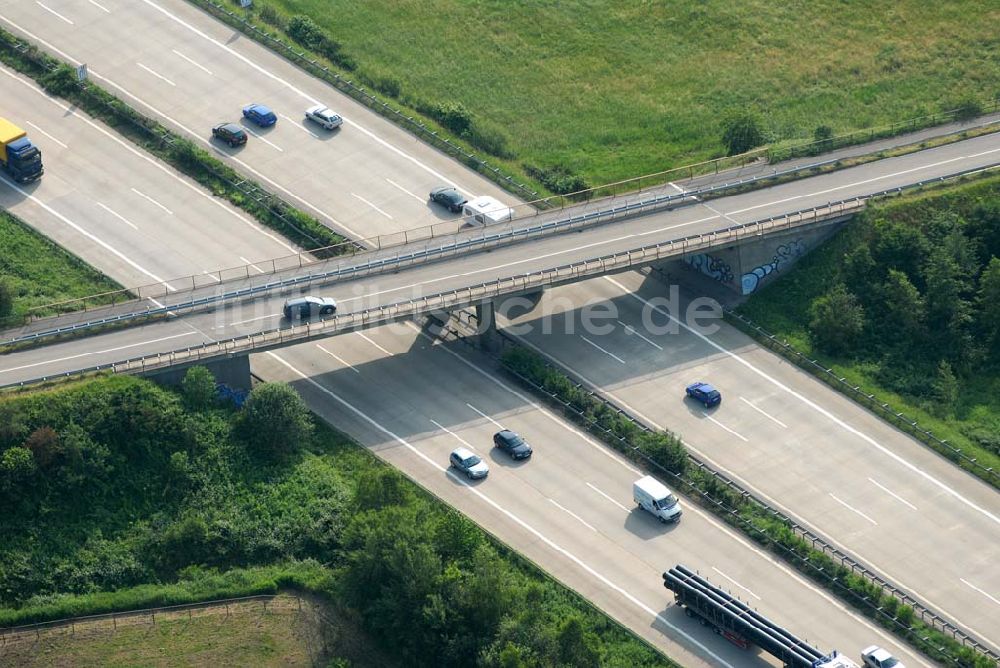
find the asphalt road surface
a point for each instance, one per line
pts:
(88, 37)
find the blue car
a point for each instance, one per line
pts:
(704, 393)
(259, 114)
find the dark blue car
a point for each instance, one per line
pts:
(259, 114)
(705, 394)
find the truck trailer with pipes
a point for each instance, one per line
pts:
(743, 626)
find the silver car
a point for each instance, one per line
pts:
(324, 116)
(469, 463)
(303, 308)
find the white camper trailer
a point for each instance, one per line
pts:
(486, 210)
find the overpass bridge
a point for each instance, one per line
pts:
(234, 317)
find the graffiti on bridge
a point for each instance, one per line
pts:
(713, 267)
(783, 255)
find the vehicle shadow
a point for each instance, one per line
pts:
(501, 458)
(643, 525)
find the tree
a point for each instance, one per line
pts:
(741, 132)
(945, 389)
(6, 297)
(44, 446)
(576, 648)
(16, 465)
(380, 488)
(275, 420)
(949, 314)
(988, 303)
(198, 388)
(902, 310)
(836, 320)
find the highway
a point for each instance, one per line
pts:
(823, 625)
(614, 555)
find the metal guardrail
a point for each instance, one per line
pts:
(490, 237)
(870, 401)
(818, 542)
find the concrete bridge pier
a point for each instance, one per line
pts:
(233, 371)
(487, 335)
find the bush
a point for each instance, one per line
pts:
(559, 179)
(304, 30)
(454, 116)
(268, 14)
(198, 388)
(968, 109)
(60, 80)
(6, 297)
(741, 133)
(275, 420)
(836, 320)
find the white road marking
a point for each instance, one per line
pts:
(892, 493)
(632, 330)
(484, 415)
(211, 275)
(419, 199)
(500, 509)
(251, 264)
(735, 583)
(626, 509)
(573, 515)
(361, 334)
(606, 352)
(677, 187)
(456, 436)
(106, 246)
(675, 226)
(263, 139)
(851, 508)
(734, 433)
(46, 134)
(99, 6)
(339, 359)
(762, 412)
(193, 62)
(296, 124)
(724, 215)
(121, 142)
(992, 598)
(819, 409)
(156, 74)
(117, 215)
(96, 352)
(241, 322)
(372, 205)
(52, 11)
(142, 194)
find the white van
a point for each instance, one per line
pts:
(486, 210)
(653, 496)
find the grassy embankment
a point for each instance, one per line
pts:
(613, 90)
(917, 320)
(122, 495)
(38, 272)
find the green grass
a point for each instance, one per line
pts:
(42, 273)
(246, 634)
(782, 309)
(613, 90)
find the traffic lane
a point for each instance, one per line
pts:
(244, 72)
(118, 207)
(647, 543)
(809, 470)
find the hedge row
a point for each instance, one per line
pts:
(665, 451)
(58, 78)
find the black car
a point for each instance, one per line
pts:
(512, 444)
(449, 197)
(230, 133)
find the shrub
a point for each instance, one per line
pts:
(968, 109)
(836, 320)
(198, 388)
(16, 465)
(268, 14)
(559, 179)
(6, 297)
(454, 116)
(44, 446)
(61, 80)
(275, 420)
(741, 133)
